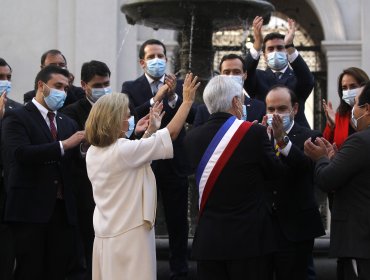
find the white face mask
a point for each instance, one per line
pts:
(353, 119)
(237, 78)
(349, 96)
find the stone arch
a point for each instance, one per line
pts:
(330, 17)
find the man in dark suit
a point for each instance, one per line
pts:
(95, 80)
(296, 217)
(234, 65)
(346, 173)
(38, 148)
(56, 58)
(285, 67)
(171, 175)
(7, 255)
(234, 236)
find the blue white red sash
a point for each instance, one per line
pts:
(217, 155)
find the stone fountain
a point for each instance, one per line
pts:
(196, 20)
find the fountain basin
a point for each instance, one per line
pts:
(175, 14)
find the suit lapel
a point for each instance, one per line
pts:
(145, 89)
(60, 119)
(294, 133)
(36, 115)
(288, 74)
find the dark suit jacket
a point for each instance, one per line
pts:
(10, 106)
(293, 196)
(255, 111)
(34, 166)
(78, 111)
(300, 80)
(235, 223)
(73, 94)
(347, 174)
(140, 93)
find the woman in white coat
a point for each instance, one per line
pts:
(124, 185)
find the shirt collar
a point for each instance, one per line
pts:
(282, 71)
(42, 109)
(290, 128)
(150, 80)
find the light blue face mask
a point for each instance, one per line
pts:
(131, 127)
(55, 99)
(96, 93)
(156, 67)
(277, 60)
(6, 86)
(287, 121)
(349, 96)
(236, 78)
(244, 115)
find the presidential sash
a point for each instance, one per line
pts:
(217, 155)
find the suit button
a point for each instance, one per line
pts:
(273, 206)
(56, 182)
(274, 192)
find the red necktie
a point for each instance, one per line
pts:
(54, 134)
(53, 129)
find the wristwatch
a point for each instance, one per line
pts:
(289, 46)
(283, 142)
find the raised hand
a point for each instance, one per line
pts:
(329, 113)
(289, 37)
(142, 125)
(190, 87)
(155, 117)
(257, 33)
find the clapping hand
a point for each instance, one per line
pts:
(316, 150)
(329, 113)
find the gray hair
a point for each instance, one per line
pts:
(219, 93)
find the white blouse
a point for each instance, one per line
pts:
(123, 182)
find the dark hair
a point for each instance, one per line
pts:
(293, 96)
(52, 52)
(4, 63)
(150, 42)
(92, 68)
(364, 96)
(271, 36)
(233, 56)
(360, 76)
(46, 72)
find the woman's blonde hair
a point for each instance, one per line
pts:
(104, 124)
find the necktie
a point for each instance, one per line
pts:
(54, 134)
(277, 152)
(278, 75)
(53, 129)
(155, 86)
